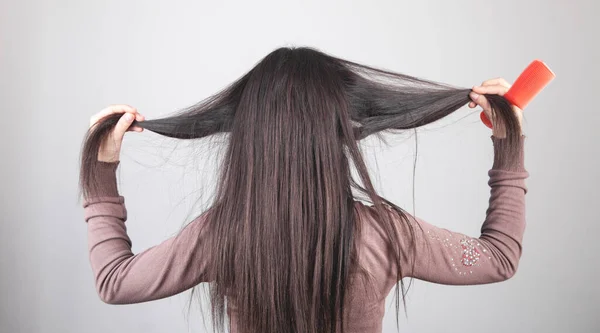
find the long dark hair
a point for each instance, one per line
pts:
(282, 221)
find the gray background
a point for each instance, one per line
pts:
(63, 61)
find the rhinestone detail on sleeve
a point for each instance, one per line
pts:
(470, 254)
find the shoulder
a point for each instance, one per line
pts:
(375, 253)
(367, 212)
(373, 230)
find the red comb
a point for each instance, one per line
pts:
(531, 81)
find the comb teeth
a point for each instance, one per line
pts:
(531, 81)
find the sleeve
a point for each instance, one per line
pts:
(453, 258)
(122, 277)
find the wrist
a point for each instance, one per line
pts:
(108, 156)
(505, 156)
(106, 179)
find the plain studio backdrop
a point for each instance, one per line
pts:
(63, 61)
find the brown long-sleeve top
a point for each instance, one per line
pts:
(446, 257)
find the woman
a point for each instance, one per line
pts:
(285, 246)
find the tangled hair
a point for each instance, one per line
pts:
(282, 221)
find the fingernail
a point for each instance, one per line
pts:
(129, 116)
(473, 95)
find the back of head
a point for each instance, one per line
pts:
(284, 210)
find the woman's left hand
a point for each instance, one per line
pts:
(110, 150)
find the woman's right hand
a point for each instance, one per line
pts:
(497, 86)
